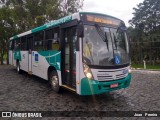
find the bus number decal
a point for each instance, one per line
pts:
(23, 56)
(36, 57)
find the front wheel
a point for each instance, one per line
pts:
(54, 81)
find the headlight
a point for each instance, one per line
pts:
(87, 72)
(89, 75)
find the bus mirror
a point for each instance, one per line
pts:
(80, 30)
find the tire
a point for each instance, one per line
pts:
(18, 68)
(54, 81)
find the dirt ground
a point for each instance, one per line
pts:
(22, 92)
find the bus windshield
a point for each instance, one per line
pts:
(104, 46)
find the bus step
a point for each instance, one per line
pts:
(69, 88)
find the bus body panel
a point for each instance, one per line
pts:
(42, 60)
(39, 65)
(91, 87)
(81, 73)
(24, 61)
(77, 72)
(30, 63)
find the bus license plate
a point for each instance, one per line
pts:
(114, 85)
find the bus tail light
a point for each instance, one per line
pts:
(87, 72)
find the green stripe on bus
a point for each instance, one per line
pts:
(91, 87)
(52, 57)
(39, 28)
(53, 23)
(14, 37)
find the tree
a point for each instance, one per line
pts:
(70, 6)
(18, 16)
(146, 22)
(6, 29)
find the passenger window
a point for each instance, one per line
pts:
(52, 39)
(17, 44)
(38, 41)
(30, 43)
(23, 43)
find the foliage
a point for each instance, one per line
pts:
(18, 16)
(154, 67)
(145, 31)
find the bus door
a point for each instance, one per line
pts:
(30, 48)
(69, 57)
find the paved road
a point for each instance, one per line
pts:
(30, 93)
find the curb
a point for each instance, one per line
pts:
(145, 69)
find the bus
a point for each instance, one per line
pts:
(87, 53)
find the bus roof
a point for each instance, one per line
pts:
(50, 24)
(58, 22)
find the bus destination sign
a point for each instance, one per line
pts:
(102, 19)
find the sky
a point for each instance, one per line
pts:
(121, 9)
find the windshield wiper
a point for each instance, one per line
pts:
(115, 40)
(102, 34)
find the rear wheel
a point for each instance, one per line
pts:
(54, 81)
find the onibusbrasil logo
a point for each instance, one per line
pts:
(21, 114)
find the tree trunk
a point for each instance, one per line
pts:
(1, 57)
(150, 56)
(7, 57)
(141, 55)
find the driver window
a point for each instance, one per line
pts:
(88, 45)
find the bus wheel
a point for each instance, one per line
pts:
(54, 81)
(18, 67)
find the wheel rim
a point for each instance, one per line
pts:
(54, 82)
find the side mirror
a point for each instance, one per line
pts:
(122, 27)
(80, 30)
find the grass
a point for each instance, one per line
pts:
(147, 66)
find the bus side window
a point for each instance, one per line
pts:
(56, 40)
(38, 41)
(52, 39)
(17, 44)
(41, 39)
(23, 43)
(48, 39)
(30, 43)
(12, 47)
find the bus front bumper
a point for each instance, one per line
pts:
(91, 87)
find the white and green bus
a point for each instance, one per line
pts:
(87, 53)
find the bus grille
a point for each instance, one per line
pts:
(110, 76)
